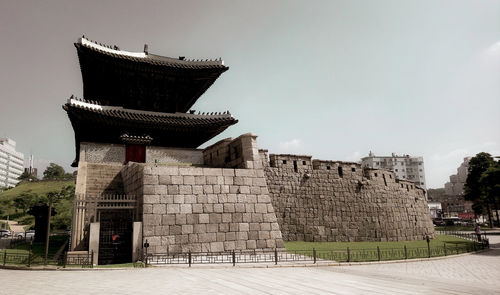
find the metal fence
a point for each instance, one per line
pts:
(335, 255)
(28, 258)
(24, 258)
(465, 235)
(81, 259)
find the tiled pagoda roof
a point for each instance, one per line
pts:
(159, 119)
(144, 57)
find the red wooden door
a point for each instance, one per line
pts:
(135, 153)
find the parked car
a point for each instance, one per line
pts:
(4, 233)
(438, 222)
(27, 234)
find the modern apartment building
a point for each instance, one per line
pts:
(11, 163)
(405, 167)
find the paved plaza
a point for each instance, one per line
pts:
(465, 274)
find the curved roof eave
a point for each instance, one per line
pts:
(150, 58)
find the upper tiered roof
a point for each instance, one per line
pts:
(144, 81)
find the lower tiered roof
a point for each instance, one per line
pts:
(107, 124)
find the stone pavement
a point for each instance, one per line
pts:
(465, 274)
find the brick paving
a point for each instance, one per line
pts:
(465, 274)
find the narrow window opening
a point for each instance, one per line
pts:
(303, 162)
(341, 174)
(328, 167)
(376, 175)
(284, 161)
(390, 176)
(385, 181)
(353, 169)
(236, 155)
(295, 166)
(407, 188)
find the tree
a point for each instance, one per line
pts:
(54, 172)
(23, 202)
(474, 189)
(490, 184)
(27, 177)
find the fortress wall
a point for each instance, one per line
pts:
(163, 155)
(103, 179)
(207, 210)
(102, 153)
(92, 180)
(241, 152)
(338, 201)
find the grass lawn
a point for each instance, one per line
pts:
(438, 241)
(460, 228)
(36, 190)
(55, 243)
(367, 251)
(39, 187)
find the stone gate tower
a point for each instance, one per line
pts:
(140, 175)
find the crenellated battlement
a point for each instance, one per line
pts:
(334, 169)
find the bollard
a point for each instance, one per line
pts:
(65, 259)
(234, 258)
(428, 246)
(4, 257)
(314, 255)
(275, 256)
(189, 258)
(378, 253)
(146, 245)
(406, 253)
(92, 261)
(348, 255)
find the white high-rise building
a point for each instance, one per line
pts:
(11, 163)
(405, 167)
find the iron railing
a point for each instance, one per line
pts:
(465, 235)
(335, 255)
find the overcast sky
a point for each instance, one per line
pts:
(331, 79)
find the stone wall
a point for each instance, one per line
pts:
(101, 153)
(241, 152)
(104, 179)
(91, 152)
(337, 201)
(163, 155)
(206, 209)
(92, 180)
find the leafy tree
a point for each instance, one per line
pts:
(63, 205)
(490, 184)
(64, 214)
(477, 189)
(27, 177)
(24, 201)
(53, 172)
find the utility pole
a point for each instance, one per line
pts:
(51, 197)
